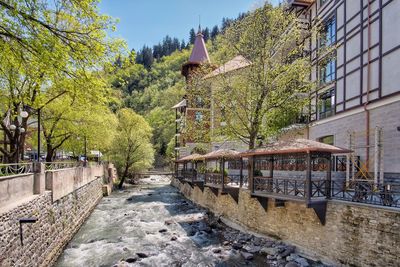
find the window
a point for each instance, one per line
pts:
(328, 35)
(322, 2)
(198, 116)
(326, 104)
(326, 139)
(327, 71)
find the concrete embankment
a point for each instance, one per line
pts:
(35, 225)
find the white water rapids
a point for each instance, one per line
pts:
(148, 225)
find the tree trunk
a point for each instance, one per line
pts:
(121, 182)
(50, 153)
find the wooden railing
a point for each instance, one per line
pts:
(368, 192)
(290, 187)
(213, 178)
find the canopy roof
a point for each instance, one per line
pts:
(222, 153)
(295, 146)
(192, 157)
(236, 63)
(181, 104)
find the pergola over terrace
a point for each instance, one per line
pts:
(218, 179)
(186, 167)
(294, 170)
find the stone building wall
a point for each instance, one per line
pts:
(354, 234)
(57, 223)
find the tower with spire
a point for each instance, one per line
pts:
(198, 57)
(192, 113)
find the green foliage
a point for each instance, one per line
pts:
(131, 150)
(152, 93)
(257, 172)
(49, 52)
(201, 149)
(258, 100)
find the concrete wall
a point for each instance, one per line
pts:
(14, 188)
(354, 235)
(59, 214)
(65, 181)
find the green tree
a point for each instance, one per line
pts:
(206, 34)
(192, 36)
(131, 150)
(41, 44)
(214, 32)
(256, 99)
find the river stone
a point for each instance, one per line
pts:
(268, 243)
(292, 264)
(142, 255)
(168, 222)
(162, 230)
(247, 256)
(236, 245)
(251, 249)
(302, 261)
(174, 238)
(269, 251)
(289, 250)
(131, 260)
(216, 250)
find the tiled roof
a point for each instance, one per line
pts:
(236, 63)
(222, 153)
(199, 51)
(192, 157)
(295, 146)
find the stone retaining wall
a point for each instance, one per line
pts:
(354, 234)
(57, 223)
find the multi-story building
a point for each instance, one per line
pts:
(356, 103)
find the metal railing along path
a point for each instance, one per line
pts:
(16, 169)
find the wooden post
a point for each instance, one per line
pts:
(328, 182)
(241, 173)
(271, 174)
(308, 178)
(251, 173)
(223, 172)
(194, 176)
(176, 169)
(376, 158)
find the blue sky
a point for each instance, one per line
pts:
(148, 21)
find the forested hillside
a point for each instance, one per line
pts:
(150, 82)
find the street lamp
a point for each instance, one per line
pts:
(38, 111)
(18, 130)
(85, 148)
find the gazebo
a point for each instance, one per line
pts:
(294, 170)
(218, 179)
(188, 171)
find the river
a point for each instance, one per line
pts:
(152, 224)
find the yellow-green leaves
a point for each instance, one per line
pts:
(131, 148)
